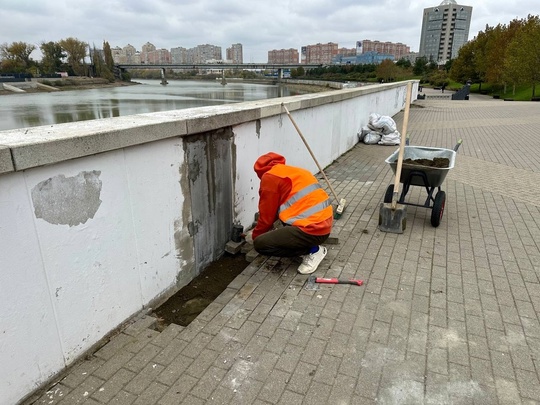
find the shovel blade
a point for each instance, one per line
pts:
(392, 220)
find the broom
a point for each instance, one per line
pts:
(341, 205)
(393, 216)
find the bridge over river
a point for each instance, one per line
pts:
(222, 66)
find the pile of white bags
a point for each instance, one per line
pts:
(380, 130)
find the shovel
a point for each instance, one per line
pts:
(393, 216)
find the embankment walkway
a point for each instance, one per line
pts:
(447, 315)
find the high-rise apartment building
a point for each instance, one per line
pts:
(346, 51)
(283, 56)
(206, 52)
(179, 56)
(319, 53)
(132, 56)
(234, 54)
(445, 29)
(398, 49)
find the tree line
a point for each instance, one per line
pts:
(67, 55)
(502, 56)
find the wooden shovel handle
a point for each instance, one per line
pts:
(395, 196)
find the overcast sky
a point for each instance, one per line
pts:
(259, 26)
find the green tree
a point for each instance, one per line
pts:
(298, 72)
(109, 61)
(53, 56)
(523, 54)
(97, 61)
(15, 57)
(404, 63)
(420, 66)
(463, 67)
(76, 52)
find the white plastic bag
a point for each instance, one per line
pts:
(390, 139)
(372, 138)
(363, 132)
(373, 118)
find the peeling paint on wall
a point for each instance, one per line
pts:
(69, 201)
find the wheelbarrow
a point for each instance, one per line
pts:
(428, 177)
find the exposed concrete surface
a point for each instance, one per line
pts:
(68, 200)
(12, 88)
(447, 315)
(6, 164)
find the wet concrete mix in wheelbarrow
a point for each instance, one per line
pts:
(437, 162)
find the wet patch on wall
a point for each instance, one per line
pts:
(209, 160)
(69, 201)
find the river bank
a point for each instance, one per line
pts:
(87, 83)
(64, 84)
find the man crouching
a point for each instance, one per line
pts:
(294, 196)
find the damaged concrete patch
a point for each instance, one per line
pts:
(69, 201)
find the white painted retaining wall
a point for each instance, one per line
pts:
(102, 219)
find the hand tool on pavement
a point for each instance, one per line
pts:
(313, 281)
(393, 216)
(341, 202)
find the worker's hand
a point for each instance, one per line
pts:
(248, 237)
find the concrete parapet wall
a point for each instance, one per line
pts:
(102, 219)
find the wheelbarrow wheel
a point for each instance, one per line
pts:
(438, 208)
(389, 194)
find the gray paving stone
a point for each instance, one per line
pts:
(208, 382)
(113, 385)
(111, 366)
(123, 398)
(179, 390)
(446, 314)
(273, 388)
(152, 394)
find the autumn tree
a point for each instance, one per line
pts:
(76, 52)
(463, 68)
(523, 54)
(15, 57)
(53, 57)
(387, 70)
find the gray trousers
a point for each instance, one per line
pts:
(287, 241)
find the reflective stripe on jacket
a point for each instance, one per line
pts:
(307, 202)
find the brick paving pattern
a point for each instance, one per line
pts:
(447, 315)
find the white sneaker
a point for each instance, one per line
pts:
(311, 262)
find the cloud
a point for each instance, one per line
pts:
(259, 26)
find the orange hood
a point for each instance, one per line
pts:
(266, 162)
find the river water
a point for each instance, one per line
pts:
(21, 110)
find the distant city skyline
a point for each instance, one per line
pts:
(309, 54)
(261, 27)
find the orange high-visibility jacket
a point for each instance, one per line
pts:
(307, 203)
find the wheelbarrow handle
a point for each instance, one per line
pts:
(338, 281)
(458, 144)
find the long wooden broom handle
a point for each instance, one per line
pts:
(402, 144)
(311, 152)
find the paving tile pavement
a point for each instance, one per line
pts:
(447, 315)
